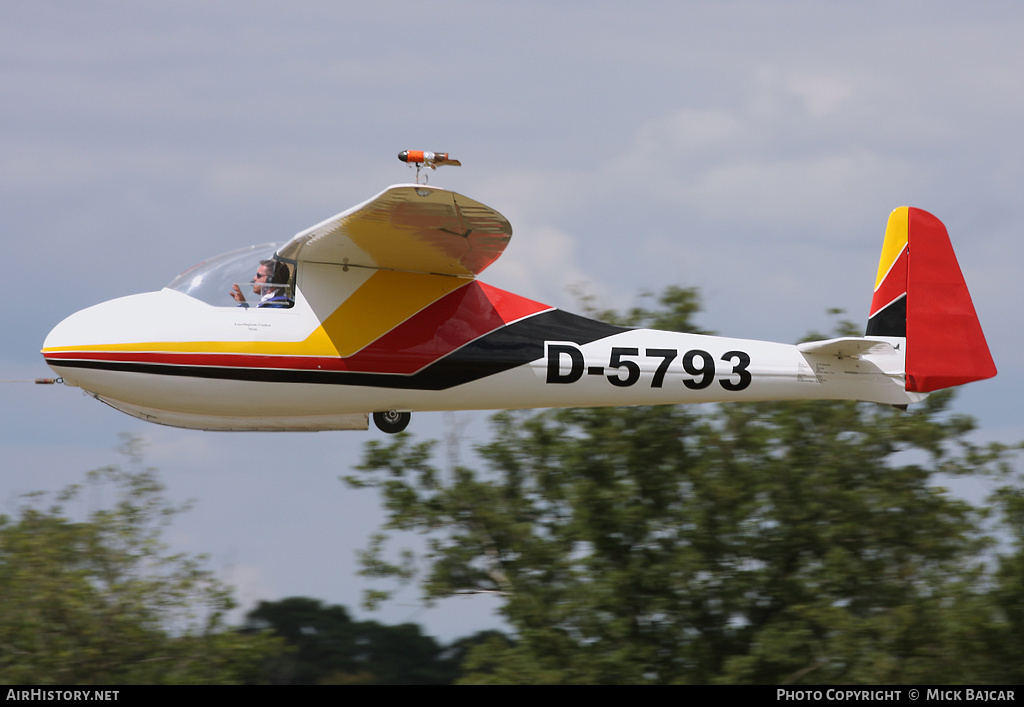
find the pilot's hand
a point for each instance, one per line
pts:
(236, 293)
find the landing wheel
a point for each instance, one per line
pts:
(391, 421)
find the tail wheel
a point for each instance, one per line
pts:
(391, 421)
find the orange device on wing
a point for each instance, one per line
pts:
(429, 159)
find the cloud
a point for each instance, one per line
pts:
(542, 265)
(822, 94)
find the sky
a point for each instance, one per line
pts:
(750, 149)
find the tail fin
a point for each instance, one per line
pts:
(920, 294)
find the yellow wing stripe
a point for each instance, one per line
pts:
(416, 244)
(408, 229)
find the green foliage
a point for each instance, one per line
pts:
(677, 306)
(763, 543)
(329, 648)
(99, 601)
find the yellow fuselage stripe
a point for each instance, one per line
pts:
(380, 304)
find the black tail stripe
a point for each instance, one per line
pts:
(890, 320)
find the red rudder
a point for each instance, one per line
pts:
(945, 343)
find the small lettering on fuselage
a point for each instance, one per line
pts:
(624, 370)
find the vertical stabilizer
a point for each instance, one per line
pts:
(888, 315)
(920, 294)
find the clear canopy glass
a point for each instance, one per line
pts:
(211, 280)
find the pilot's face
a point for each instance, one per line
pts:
(261, 278)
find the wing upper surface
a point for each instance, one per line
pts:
(415, 228)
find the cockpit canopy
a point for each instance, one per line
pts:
(210, 281)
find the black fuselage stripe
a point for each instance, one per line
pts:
(506, 348)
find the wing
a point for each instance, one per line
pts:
(412, 228)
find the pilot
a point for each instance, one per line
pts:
(270, 283)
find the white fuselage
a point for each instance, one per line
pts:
(171, 359)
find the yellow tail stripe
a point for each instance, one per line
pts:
(895, 242)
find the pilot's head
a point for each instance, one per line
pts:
(263, 276)
(269, 271)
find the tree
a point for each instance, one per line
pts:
(1004, 635)
(100, 600)
(764, 543)
(328, 647)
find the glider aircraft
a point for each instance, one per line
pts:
(378, 310)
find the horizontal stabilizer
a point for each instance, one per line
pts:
(846, 347)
